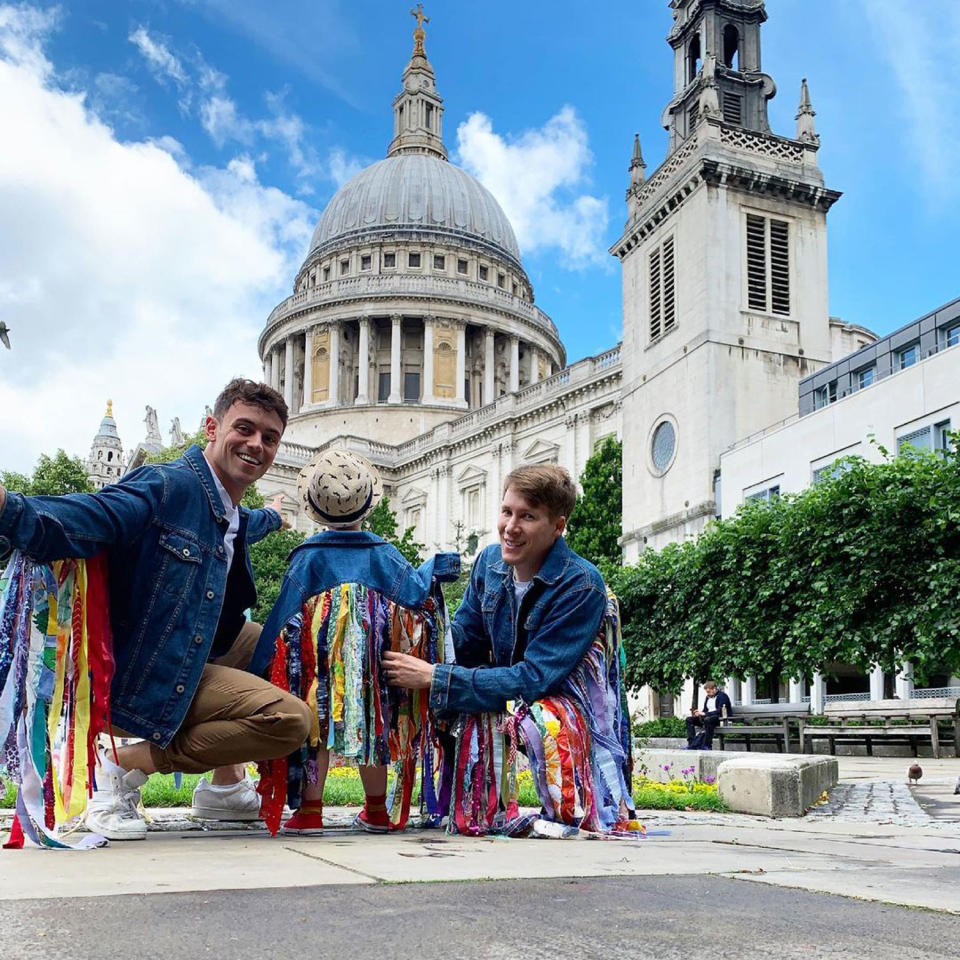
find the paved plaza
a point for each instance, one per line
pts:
(874, 872)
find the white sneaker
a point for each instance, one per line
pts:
(238, 801)
(112, 811)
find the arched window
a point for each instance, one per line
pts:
(693, 58)
(731, 46)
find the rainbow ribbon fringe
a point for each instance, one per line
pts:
(329, 655)
(577, 744)
(56, 664)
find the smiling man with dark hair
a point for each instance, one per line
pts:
(180, 580)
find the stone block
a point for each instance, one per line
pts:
(775, 785)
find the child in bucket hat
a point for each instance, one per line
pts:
(347, 595)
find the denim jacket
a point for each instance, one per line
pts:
(505, 654)
(349, 556)
(163, 528)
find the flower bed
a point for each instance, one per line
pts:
(343, 788)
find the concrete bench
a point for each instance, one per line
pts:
(775, 785)
(873, 724)
(762, 723)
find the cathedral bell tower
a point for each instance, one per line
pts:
(724, 273)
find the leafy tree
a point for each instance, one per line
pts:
(593, 528)
(52, 476)
(863, 568)
(269, 558)
(383, 522)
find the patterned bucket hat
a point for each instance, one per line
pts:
(339, 488)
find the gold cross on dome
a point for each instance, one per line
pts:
(419, 34)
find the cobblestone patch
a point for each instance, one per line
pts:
(881, 802)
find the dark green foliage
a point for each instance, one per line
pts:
(52, 476)
(593, 528)
(661, 727)
(383, 522)
(453, 592)
(269, 559)
(863, 568)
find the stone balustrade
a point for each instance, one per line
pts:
(435, 287)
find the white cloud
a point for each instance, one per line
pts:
(921, 44)
(538, 178)
(132, 276)
(222, 121)
(157, 54)
(342, 167)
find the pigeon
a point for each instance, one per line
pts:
(4, 334)
(956, 789)
(914, 773)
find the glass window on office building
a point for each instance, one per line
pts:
(908, 356)
(825, 395)
(770, 493)
(935, 436)
(951, 336)
(866, 377)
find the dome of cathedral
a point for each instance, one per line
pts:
(415, 192)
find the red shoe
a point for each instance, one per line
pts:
(377, 822)
(304, 824)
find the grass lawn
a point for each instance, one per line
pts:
(343, 789)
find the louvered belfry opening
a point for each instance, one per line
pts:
(663, 290)
(768, 265)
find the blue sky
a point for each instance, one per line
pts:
(165, 161)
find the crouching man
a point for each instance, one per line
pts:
(531, 614)
(180, 582)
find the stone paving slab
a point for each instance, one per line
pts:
(930, 889)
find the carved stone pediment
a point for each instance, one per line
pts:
(541, 451)
(471, 476)
(414, 497)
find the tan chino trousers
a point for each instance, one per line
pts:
(235, 717)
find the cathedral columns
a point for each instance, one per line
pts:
(395, 393)
(489, 367)
(334, 394)
(514, 364)
(288, 372)
(307, 366)
(426, 390)
(363, 386)
(461, 363)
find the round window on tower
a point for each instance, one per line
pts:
(663, 445)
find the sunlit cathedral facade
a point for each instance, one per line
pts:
(412, 334)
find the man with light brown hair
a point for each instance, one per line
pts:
(530, 613)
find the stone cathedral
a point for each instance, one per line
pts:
(412, 335)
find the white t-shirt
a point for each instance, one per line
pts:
(710, 704)
(232, 513)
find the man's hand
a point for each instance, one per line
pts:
(402, 670)
(275, 504)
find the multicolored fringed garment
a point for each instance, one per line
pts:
(329, 654)
(56, 664)
(577, 744)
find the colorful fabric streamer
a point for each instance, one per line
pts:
(56, 665)
(577, 744)
(329, 655)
